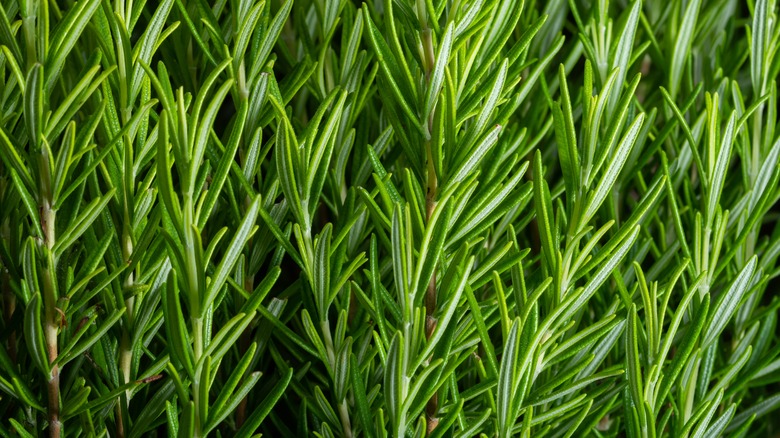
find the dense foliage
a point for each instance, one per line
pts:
(395, 218)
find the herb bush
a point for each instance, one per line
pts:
(426, 218)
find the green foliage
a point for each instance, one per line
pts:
(393, 218)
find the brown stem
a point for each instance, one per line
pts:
(120, 423)
(432, 407)
(51, 327)
(430, 204)
(55, 426)
(430, 308)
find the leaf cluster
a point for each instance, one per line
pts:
(391, 218)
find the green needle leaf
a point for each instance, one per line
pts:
(228, 261)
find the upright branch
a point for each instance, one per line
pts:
(51, 324)
(429, 61)
(432, 181)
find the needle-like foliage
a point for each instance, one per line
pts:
(425, 218)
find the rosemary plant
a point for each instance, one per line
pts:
(423, 218)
